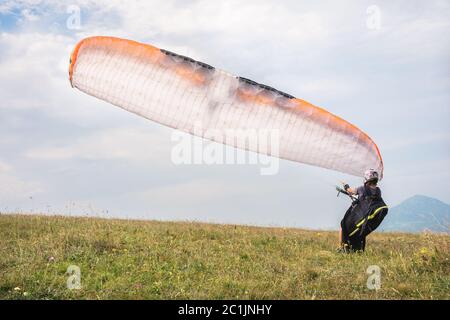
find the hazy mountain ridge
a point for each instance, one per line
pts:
(418, 213)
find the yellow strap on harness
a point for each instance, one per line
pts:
(368, 218)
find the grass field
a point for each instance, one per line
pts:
(121, 259)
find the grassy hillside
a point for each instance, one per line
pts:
(163, 260)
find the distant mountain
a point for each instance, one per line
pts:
(417, 214)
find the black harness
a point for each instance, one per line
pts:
(364, 216)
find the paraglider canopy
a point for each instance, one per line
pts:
(178, 91)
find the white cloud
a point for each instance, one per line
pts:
(395, 144)
(32, 66)
(130, 144)
(34, 75)
(186, 193)
(230, 19)
(198, 191)
(329, 86)
(4, 167)
(320, 51)
(14, 188)
(30, 15)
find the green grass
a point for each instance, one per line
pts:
(122, 259)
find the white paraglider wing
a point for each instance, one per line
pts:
(194, 97)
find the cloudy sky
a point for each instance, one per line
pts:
(382, 65)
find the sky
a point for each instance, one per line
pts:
(382, 65)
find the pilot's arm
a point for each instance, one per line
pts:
(350, 190)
